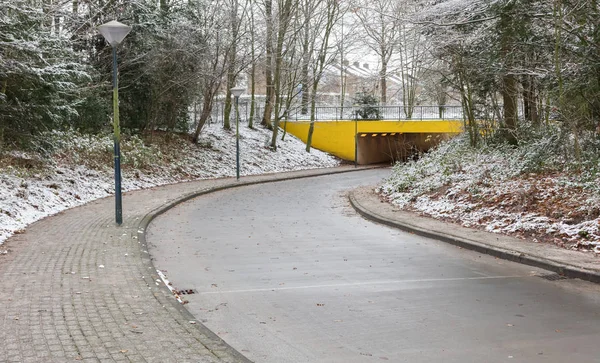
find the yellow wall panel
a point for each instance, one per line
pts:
(337, 137)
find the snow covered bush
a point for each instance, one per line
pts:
(540, 188)
(39, 74)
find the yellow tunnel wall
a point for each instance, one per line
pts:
(337, 137)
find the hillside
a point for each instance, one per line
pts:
(537, 191)
(69, 169)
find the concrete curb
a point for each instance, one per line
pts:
(219, 348)
(570, 271)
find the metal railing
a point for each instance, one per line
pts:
(337, 113)
(389, 113)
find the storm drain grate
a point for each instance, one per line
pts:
(185, 292)
(553, 277)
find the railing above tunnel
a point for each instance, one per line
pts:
(347, 113)
(377, 112)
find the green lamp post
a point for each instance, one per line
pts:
(114, 33)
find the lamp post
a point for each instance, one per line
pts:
(355, 135)
(114, 33)
(237, 92)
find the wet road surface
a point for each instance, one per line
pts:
(288, 272)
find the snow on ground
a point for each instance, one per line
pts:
(76, 169)
(493, 189)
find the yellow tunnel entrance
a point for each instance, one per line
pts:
(378, 141)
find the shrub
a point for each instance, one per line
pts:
(367, 107)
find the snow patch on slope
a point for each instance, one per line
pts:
(491, 189)
(79, 169)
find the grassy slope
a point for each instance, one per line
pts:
(70, 169)
(536, 191)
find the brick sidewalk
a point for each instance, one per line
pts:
(75, 287)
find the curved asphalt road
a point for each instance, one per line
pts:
(288, 272)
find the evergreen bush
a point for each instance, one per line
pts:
(368, 109)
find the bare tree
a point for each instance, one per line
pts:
(252, 30)
(380, 20)
(269, 98)
(213, 65)
(287, 9)
(231, 66)
(347, 38)
(413, 55)
(321, 25)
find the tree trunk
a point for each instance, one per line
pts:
(509, 98)
(466, 101)
(383, 82)
(526, 97)
(342, 91)
(319, 67)
(252, 71)
(231, 76)
(533, 104)
(291, 93)
(266, 121)
(441, 97)
(305, 63)
(285, 17)
(311, 128)
(509, 81)
(206, 110)
(530, 100)
(227, 107)
(342, 80)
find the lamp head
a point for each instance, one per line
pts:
(237, 91)
(114, 32)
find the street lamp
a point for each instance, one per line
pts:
(237, 92)
(114, 33)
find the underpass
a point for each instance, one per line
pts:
(389, 138)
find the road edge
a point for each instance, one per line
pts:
(570, 271)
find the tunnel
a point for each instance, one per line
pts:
(378, 147)
(378, 141)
